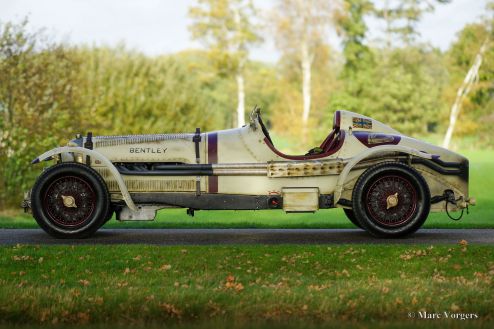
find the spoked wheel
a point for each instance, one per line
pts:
(351, 216)
(391, 200)
(70, 200)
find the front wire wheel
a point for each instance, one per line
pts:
(70, 200)
(391, 200)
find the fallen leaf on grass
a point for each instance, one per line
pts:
(454, 307)
(85, 283)
(171, 310)
(44, 314)
(165, 267)
(83, 317)
(232, 284)
(122, 284)
(21, 258)
(21, 284)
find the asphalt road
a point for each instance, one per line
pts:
(246, 236)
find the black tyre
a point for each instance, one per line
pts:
(351, 216)
(109, 216)
(391, 200)
(70, 200)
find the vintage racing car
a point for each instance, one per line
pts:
(387, 183)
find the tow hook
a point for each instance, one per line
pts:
(26, 202)
(460, 203)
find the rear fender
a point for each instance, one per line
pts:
(368, 153)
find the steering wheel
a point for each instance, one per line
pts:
(263, 128)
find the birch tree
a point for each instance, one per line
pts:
(470, 79)
(227, 30)
(299, 27)
(473, 34)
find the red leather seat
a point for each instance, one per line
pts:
(331, 144)
(332, 139)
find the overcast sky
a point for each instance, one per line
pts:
(160, 26)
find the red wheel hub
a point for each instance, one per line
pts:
(391, 200)
(69, 201)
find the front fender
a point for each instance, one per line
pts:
(66, 150)
(367, 153)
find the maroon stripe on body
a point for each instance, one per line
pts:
(213, 158)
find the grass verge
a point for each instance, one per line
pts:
(239, 286)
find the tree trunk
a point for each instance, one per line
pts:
(464, 89)
(239, 75)
(306, 62)
(387, 19)
(240, 98)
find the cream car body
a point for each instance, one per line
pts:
(241, 168)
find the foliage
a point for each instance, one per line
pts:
(50, 91)
(227, 30)
(128, 93)
(38, 91)
(402, 17)
(351, 26)
(403, 89)
(477, 115)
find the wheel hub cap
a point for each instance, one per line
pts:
(69, 201)
(391, 201)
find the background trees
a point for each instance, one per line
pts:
(300, 28)
(38, 91)
(226, 28)
(470, 93)
(50, 91)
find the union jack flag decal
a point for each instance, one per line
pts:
(362, 123)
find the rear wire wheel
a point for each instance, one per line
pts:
(391, 200)
(70, 200)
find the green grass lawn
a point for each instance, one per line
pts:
(481, 216)
(239, 286)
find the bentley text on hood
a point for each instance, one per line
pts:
(386, 183)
